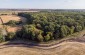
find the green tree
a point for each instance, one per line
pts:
(40, 38)
(31, 32)
(10, 36)
(47, 37)
(72, 30)
(78, 28)
(2, 38)
(64, 31)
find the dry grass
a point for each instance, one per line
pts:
(65, 48)
(13, 29)
(7, 18)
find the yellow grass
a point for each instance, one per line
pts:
(65, 48)
(7, 18)
(13, 29)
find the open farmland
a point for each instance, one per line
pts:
(65, 48)
(7, 18)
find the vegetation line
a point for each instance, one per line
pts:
(47, 26)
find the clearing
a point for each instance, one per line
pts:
(7, 18)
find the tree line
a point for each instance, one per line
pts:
(46, 26)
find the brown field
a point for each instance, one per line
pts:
(7, 18)
(13, 29)
(65, 48)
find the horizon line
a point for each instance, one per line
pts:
(42, 8)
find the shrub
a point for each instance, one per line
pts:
(2, 38)
(40, 38)
(10, 36)
(13, 23)
(47, 37)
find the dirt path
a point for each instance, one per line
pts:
(70, 47)
(64, 48)
(44, 47)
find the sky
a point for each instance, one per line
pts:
(43, 4)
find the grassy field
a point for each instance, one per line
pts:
(7, 18)
(65, 48)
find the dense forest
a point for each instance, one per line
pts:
(46, 26)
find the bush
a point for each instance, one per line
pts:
(40, 38)
(2, 39)
(13, 23)
(47, 37)
(64, 31)
(10, 36)
(78, 28)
